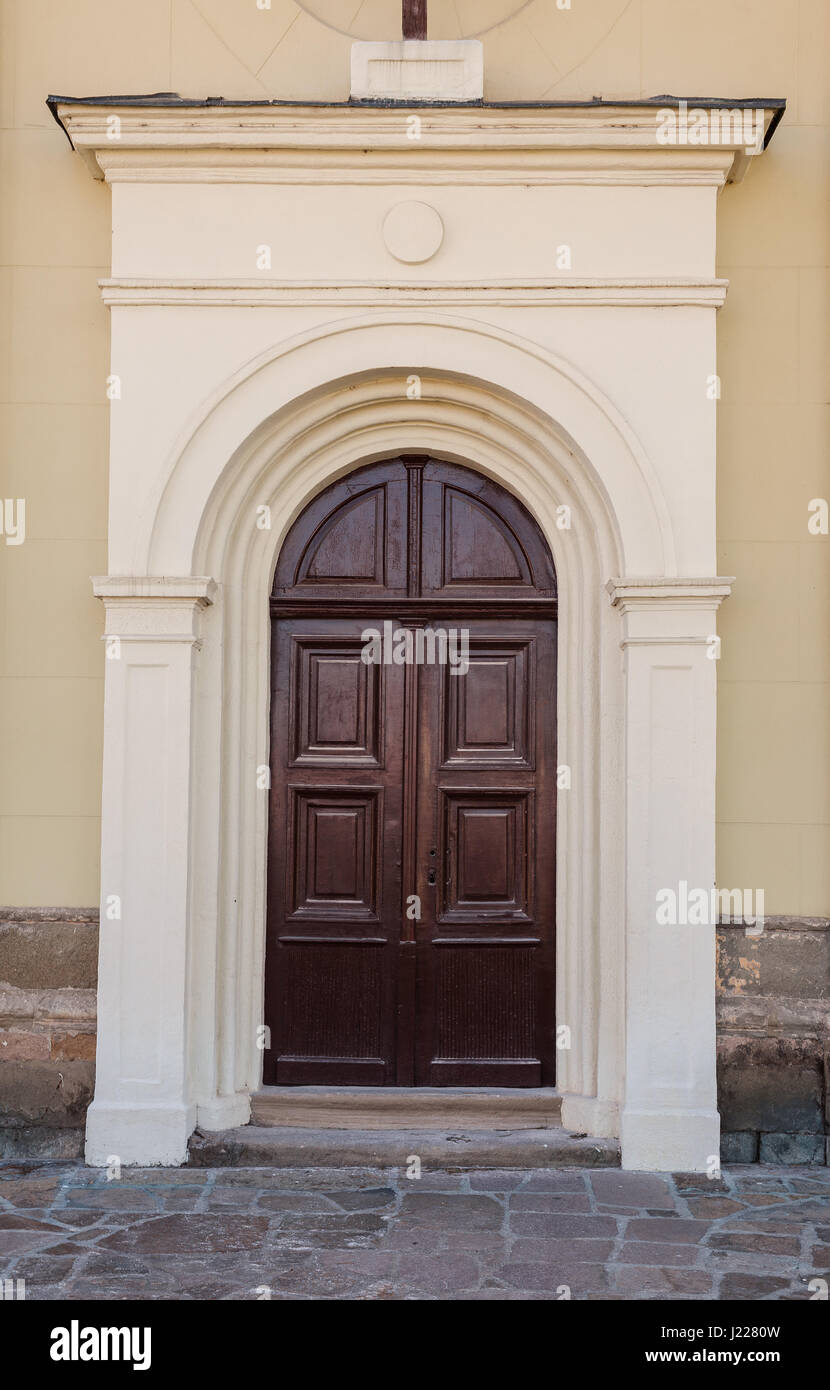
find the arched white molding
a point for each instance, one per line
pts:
(284, 427)
(636, 727)
(290, 457)
(571, 406)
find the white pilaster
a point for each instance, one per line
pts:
(669, 1119)
(143, 1111)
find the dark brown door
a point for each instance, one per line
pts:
(412, 819)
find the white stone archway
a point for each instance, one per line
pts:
(187, 722)
(264, 326)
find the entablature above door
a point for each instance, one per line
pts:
(598, 201)
(135, 137)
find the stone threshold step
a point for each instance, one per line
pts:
(257, 1146)
(392, 1107)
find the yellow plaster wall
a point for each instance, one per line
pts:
(774, 361)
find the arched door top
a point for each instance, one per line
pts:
(415, 528)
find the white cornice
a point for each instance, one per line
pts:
(436, 167)
(199, 590)
(474, 144)
(647, 592)
(619, 293)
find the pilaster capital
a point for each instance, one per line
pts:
(631, 595)
(198, 589)
(154, 608)
(668, 612)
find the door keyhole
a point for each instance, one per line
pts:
(431, 873)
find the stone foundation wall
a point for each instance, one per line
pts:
(774, 1041)
(48, 974)
(773, 1036)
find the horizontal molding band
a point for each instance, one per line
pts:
(414, 609)
(334, 940)
(448, 175)
(33, 916)
(486, 940)
(64, 1005)
(677, 292)
(774, 923)
(158, 138)
(181, 638)
(695, 641)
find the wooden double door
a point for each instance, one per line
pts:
(411, 875)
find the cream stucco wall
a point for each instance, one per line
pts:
(774, 793)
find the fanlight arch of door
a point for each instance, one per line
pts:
(411, 856)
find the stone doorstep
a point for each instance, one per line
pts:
(405, 1108)
(257, 1146)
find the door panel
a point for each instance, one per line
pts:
(337, 851)
(337, 702)
(334, 858)
(350, 541)
(488, 854)
(476, 539)
(331, 1005)
(412, 809)
(487, 809)
(485, 1021)
(489, 712)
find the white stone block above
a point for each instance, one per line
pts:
(418, 70)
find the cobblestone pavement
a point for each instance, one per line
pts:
(757, 1233)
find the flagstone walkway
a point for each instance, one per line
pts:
(756, 1233)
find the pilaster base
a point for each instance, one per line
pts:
(141, 1136)
(671, 1141)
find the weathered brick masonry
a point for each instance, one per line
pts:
(774, 1041)
(48, 972)
(773, 1035)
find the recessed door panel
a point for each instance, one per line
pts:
(350, 542)
(349, 548)
(485, 1017)
(489, 711)
(331, 1005)
(337, 853)
(487, 854)
(478, 540)
(336, 699)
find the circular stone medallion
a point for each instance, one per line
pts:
(413, 232)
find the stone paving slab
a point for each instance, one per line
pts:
(376, 1234)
